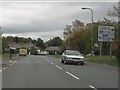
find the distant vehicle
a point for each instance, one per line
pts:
(42, 52)
(22, 52)
(38, 52)
(45, 52)
(72, 56)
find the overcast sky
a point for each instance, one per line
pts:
(47, 19)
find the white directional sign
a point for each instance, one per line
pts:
(106, 33)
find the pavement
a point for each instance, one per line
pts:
(48, 72)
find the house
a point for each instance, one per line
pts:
(17, 45)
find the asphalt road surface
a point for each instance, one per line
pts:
(49, 72)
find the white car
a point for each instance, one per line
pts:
(72, 56)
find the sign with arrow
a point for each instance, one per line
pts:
(106, 33)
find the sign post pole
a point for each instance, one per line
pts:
(100, 48)
(110, 51)
(106, 34)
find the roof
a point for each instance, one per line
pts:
(14, 45)
(53, 48)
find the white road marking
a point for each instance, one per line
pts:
(72, 75)
(47, 61)
(4, 68)
(11, 64)
(52, 63)
(58, 67)
(92, 87)
(14, 61)
(11, 61)
(0, 70)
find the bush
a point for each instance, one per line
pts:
(33, 51)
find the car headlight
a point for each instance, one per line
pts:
(68, 58)
(82, 59)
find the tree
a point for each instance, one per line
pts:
(115, 12)
(79, 41)
(40, 43)
(33, 50)
(67, 31)
(56, 41)
(77, 24)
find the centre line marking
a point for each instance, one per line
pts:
(14, 61)
(11, 61)
(4, 68)
(92, 87)
(72, 75)
(58, 67)
(11, 64)
(52, 63)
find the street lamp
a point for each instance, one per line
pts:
(92, 28)
(1, 32)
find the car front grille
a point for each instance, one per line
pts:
(76, 58)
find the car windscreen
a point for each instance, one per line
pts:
(72, 53)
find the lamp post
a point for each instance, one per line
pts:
(1, 32)
(91, 30)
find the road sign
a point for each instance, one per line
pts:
(106, 33)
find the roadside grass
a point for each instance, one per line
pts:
(56, 56)
(103, 60)
(7, 55)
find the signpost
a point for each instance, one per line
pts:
(106, 34)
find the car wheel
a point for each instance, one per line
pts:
(66, 62)
(62, 61)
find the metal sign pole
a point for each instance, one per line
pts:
(110, 51)
(100, 48)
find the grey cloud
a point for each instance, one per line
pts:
(48, 18)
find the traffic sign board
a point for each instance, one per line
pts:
(106, 33)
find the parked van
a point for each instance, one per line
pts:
(22, 52)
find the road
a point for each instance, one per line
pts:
(48, 72)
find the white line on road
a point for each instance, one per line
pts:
(11, 64)
(52, 63)
(0, 70)
(58, 67)
(92, 87)
(47, 61)
(72, 75)
(14, 61)
(10, 60)
(4, 68)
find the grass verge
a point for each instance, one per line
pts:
(7, 55)
(56, 56)
(103, 60)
